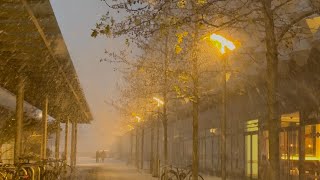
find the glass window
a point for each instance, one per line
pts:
(310, 140)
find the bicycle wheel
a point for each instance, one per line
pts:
(170, 175)
(199, 177)
(67, 172)
(2, 176)
(50, 175)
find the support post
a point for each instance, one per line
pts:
(224, 120)
(19, 120)
(66, 140)
(72, 144)
(301, 145)
(75, 143)
(44, 128)
(57, 144)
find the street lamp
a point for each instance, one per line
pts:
(138, 118)
(159, 101)
(156, 163)
(224, 45)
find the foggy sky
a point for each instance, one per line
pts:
(76, 18)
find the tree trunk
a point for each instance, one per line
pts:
(272, 86)
(195, 153)
(137, 153)
(131, 147)
(151, 146)
(142, 144)
(195, 111)
(165, 104)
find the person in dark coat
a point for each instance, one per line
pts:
(97, 156)
(103, 155)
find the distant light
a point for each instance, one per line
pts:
(159, 101)
(39, 114)
(138, 118)
(213, 130)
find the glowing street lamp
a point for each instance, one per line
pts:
(159, 101)
(224, 45)
(138, 118)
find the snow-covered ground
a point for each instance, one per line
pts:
(112, 170)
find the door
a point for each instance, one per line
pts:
(251, 155)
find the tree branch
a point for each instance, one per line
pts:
(295, 21)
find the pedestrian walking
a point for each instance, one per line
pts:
(97, 156)
(103, 155)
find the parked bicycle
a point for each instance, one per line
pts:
(175, 173)
(48, 169)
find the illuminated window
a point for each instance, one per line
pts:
(252, 125)
(310, 140)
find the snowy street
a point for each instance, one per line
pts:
(110, 170)
(113, 170)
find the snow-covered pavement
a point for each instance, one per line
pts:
(111, 169)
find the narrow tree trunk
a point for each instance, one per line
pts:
(165, 100)
(142, 144)
(272, 86)
(195, 107)
(137, 153)
(151, 147)
(195, 134)
(131, 147)
(156, 167)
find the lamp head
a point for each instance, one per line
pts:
(222, 43)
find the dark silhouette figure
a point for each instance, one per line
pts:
(97, 156)
(103, 155)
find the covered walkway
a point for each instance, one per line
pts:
(36, 70)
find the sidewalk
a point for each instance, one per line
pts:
(111, 169)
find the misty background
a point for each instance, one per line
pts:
(98, 79)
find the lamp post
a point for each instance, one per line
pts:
(224, 45)
(156, 162)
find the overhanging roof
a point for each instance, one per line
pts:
(32, 48)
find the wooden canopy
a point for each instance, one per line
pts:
(32, 49)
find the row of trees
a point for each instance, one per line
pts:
(178, 66)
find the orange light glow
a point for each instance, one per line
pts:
(221, 43)
(138, 118)
(158, 101)
(130, 127)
